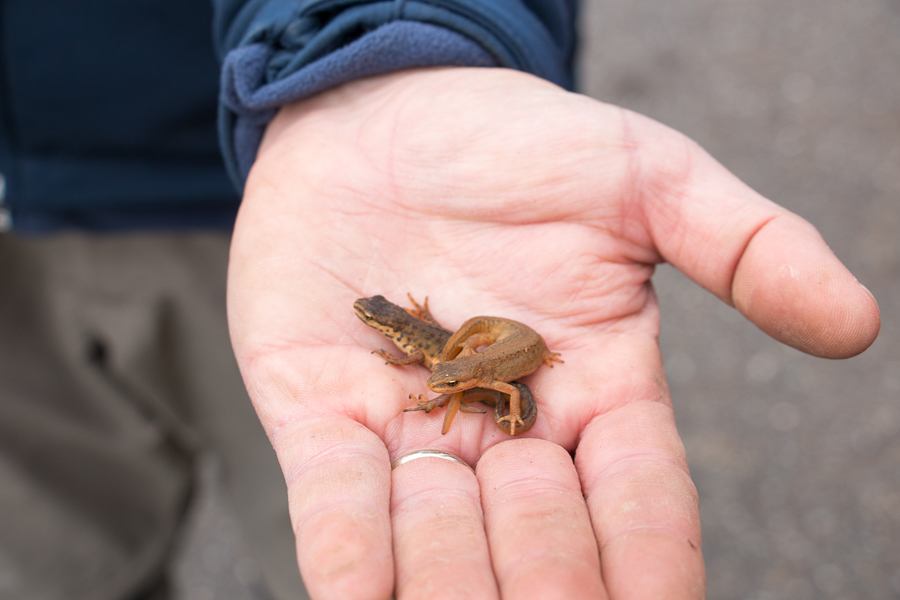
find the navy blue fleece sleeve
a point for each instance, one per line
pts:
(279, 51)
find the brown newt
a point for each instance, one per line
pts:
(422, 339)
(414, 330)
(513, 350)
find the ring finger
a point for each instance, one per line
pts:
(440, 547)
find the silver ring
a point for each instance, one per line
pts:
(429, 454)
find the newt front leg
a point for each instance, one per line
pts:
(421, 312)
(514, 418)
(527, 406)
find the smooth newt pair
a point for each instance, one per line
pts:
(459, 371)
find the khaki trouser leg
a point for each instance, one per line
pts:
(115, 370)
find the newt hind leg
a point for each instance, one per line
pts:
(469, 346)
(412, 358)
(423, 403)
(551, 357)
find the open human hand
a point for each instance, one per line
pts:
(495, 193)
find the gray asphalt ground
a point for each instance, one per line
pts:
(796, 459)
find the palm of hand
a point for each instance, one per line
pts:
(492, 193)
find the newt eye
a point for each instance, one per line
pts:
(368, 316)
(452, 383)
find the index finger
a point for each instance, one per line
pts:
(643, 505)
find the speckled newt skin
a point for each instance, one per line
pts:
(512, 350)
(422, 340)
(414, 331)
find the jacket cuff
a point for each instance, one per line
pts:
(280, 51)
(249, 101)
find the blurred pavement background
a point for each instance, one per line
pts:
(797, 459)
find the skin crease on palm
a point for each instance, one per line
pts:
(493, 192)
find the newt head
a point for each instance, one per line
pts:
(380, 314)
(456, 375)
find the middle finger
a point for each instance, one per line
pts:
(537, 522)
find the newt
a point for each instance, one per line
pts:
(422, 340)
(513, 350)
